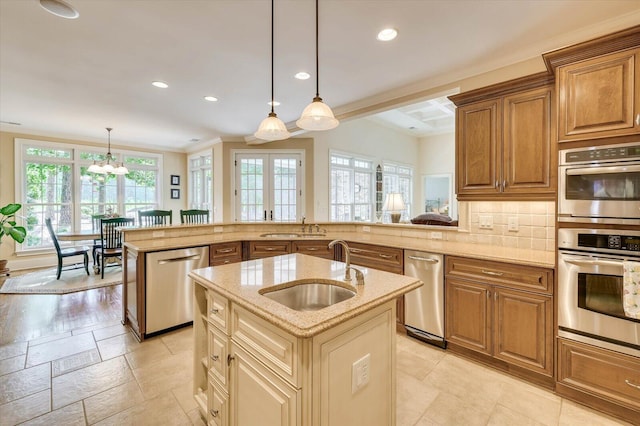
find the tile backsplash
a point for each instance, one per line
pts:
(521, 224)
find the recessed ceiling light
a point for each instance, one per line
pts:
(211, 98)
(275, 103)
(160, 84)
(59, 8)
(387, 34)
(302, 75)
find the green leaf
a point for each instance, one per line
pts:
(18, 233)
(10, 209)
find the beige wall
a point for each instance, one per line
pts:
(173, 163)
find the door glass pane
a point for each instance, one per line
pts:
(251, 191)
(284, 189)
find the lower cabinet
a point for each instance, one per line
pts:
(600, 378)
(489, 315)
(249, 372)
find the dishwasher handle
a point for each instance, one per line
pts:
(179, 259)
(424, 259)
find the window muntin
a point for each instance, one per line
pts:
(201, 181)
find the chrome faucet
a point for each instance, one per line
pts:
(303, 218)
(347, 270)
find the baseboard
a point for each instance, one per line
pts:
(33, 262)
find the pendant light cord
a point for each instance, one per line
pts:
(317, 67)
(109, 129)
(272, 95)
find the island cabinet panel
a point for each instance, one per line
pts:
(218, 413)
(505, 146)
(599, 97)
(599, 377)
(262, 249)
(134, 295)
(318, 248)
(501, 314)
(224, 253)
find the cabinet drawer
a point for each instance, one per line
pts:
(217, 405)
(377, 257)
(313, 248)
(502, 274)
(221, 254)
(271, 345)
(260, 249)
(218, 310)
(218, 351)
(610, 375)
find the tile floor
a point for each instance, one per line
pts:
(102, 375)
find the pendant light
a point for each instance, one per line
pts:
(317, 115)
(106, 167)
(272, 128)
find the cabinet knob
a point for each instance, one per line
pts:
(215, 357)
(229, 359)
(633, 385)
(214, 413)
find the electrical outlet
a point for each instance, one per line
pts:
(218, 229)
(436, 235)
(486, 222)
(157, 234)
(366, 229)
(512, 224)
(360, 371)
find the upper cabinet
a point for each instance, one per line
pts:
(505, 144)
(598, 87)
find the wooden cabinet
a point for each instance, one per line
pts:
(505, 147)
(248, 371)
(224, 253)
(318, 248)
(601, 378)
(262, 249)
(388, 259)
(598, 87)
(503, 313)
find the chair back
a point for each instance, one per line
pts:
(155, 217)
(95, 221)
(47, 221)
(194, 216)
(110, 235)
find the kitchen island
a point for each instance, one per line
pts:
(256, 361)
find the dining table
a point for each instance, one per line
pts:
(78, 235)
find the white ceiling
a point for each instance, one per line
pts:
(73, 78)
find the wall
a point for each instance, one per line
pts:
(436, 155)
(174, 163)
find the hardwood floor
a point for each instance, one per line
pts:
(27, 317)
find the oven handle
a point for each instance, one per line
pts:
(602, 262)
(603, 170)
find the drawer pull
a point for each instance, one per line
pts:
(495, 274)
(227, 250)
(312, 248)
(270, 248)
(214, 413)
(638, 120)
(214, 311)
(229, 359)
(385, 256)
(227, 261)
(633, 385)
(354, 250)
(215, 357)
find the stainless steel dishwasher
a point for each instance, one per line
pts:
(169, 292)
(424, 306)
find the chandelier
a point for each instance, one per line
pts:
(109, 165)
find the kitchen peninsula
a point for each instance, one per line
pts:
(257, 361)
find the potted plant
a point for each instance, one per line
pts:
(8, 227)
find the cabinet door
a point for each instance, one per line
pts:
(478, 136)
(468, 320)
(377, 257)
(528, 143)
(599, 98)
(261, 249)
(523, 332)
(258, 396)
(318, 248)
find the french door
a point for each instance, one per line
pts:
(268, 187)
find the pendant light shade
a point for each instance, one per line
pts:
(272, 128)
(317, 115)
(109, 165)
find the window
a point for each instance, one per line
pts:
(268, 186)
(398, 178)
(201, 181)
(351, 188)
(54, 183)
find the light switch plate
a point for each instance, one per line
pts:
(512, 224)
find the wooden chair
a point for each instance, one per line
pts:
(155, 217)
(194, 216)
(111, 240)
(67, 251)
(95, 226)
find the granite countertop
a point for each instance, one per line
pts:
(241, 283)
(545, 259)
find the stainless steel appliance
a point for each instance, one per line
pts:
(590, 287)
(169, 292)
(424, 306)
(600, 184)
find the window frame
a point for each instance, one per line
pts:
(407, 196)
(202, 193)
(353, 158)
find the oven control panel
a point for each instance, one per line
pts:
(609, 241)
(618, 241)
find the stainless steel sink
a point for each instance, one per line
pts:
(307, 295)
